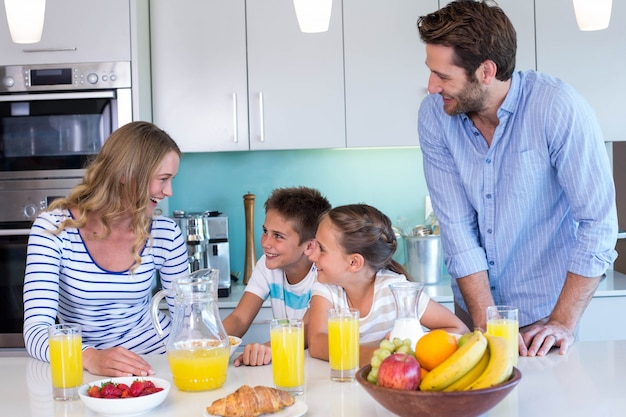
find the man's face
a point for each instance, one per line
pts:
(460, 94)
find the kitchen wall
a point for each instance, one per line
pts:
(390, 179)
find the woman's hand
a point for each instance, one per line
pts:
(255, 354)
(117, 361)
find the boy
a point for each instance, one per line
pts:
(284, 272)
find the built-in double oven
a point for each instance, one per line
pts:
(53, 120)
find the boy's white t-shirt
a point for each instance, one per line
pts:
(288, 301)
(380, 320)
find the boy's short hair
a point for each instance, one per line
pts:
(300, 205)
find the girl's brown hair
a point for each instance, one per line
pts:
(367, 231)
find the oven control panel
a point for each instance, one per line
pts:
(24, 199)
(60, 77)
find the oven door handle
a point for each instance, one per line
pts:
(14, 232)
(58, 96)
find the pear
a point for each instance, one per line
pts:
(464, 338)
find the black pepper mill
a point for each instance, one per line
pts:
(250, 258)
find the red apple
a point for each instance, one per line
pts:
(399, 371)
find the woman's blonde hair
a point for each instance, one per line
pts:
(118, 180)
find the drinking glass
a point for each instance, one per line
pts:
(287, 341)
(503, 321)
(66, 360)
(343, 343)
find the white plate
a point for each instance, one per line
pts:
(299, 408)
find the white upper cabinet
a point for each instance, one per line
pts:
(592, 62)
(522, 15)
(199, 75)
(295, 79)
(213, 61)
(74, 31)
(386, 77)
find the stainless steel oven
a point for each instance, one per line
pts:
(53, 120)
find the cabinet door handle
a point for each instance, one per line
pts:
(235, 131)
(261, 117)
(36, 50)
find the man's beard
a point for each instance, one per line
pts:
(471, 99)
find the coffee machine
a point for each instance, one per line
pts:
(206, 236)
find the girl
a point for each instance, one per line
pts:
(353, 257)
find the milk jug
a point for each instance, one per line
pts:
(198, 347)
(407, 324)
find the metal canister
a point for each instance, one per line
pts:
(423, 256)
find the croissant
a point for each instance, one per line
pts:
(251, 402)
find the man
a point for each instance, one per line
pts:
(519, 179)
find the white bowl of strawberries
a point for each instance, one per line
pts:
(124, 396)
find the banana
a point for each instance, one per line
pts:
(500, 364)
(466, 380)
(457, 365)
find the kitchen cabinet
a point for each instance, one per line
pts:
(601, 320)
(74, 31)
(199, 79)
(214, 60)
(589, 61)
(295, 79)
(386, 77)
(522, 15)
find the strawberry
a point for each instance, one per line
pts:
(94, 392)
(136, 388)
(150, 390)
(109, 390)
(123, 387)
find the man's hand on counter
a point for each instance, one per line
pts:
(255, 354)
(538, 338)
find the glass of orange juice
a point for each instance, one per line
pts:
(503, 321)
(66, 360)
(287, 341)
(343, 343)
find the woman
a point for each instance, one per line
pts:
(93, 256)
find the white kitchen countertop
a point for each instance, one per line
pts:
(588, 381)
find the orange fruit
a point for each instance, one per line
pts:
(423, 372)
(434, 347)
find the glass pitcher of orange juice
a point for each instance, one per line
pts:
(198, 347)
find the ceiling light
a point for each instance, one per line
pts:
(313, 15)
(593, 14)
(25, 18)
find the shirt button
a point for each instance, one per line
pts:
(489, 231)
(491, 263)
(488, 160)
(488, 196)
(476, 133)
(493, 288)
